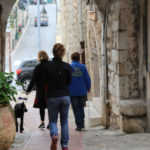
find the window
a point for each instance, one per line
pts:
(34, 63)
(27, 64)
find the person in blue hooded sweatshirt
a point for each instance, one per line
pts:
(79, 87)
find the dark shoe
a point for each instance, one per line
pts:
(42, 125)
(21, 130)
(78, 129)
(83, 126)
(48, 126)
(16, 129)
(64, 148)
(54, 142)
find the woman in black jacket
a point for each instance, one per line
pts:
(58, 77)
(39, 81)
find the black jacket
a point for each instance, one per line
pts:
(38, 79)
(58, 77)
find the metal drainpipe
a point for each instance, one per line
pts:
(105, 69)
(82, 42)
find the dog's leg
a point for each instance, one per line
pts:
(21, 125)
(16, 124)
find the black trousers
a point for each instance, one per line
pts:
(78, 103)
(42, 114)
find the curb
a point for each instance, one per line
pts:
(21, 140)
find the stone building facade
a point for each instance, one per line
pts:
(117, 46)
(114, 37)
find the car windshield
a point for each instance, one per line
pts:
(28, 64)
(35, 63)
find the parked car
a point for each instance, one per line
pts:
(43, 21)
(34, 2)
(25, 71)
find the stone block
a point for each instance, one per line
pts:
(115, 55)
(112, 67)
(123, 56)
(115, 26)
(132, 107)
(134, 125)
(120, 55)
(92, 116)
(110, 89)
(122, 69)
(122, 40)
(115, 109)
(122, 86)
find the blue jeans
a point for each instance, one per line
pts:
(78, 103)
(55, 106)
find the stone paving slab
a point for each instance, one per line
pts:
(102, 139)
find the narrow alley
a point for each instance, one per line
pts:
(112, 40)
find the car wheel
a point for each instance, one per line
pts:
(25, 83)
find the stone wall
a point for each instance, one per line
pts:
(123, 59)
(121, 46)
(69, 28)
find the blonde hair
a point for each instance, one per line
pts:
(42, 55)
(58, 50)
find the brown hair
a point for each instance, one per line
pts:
(75, 56)
(58, 50)
(42, 55)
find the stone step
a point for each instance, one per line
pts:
(97, 104)
(93, 117)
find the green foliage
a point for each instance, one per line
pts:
(7, 91)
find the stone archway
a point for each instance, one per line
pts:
(5, 8)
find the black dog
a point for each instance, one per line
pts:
(19, 110)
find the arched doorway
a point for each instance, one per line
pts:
(93, 52)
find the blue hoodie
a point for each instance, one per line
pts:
(81, 82)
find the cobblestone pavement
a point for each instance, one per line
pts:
(92, 139)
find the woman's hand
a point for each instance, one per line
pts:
(27, 93)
